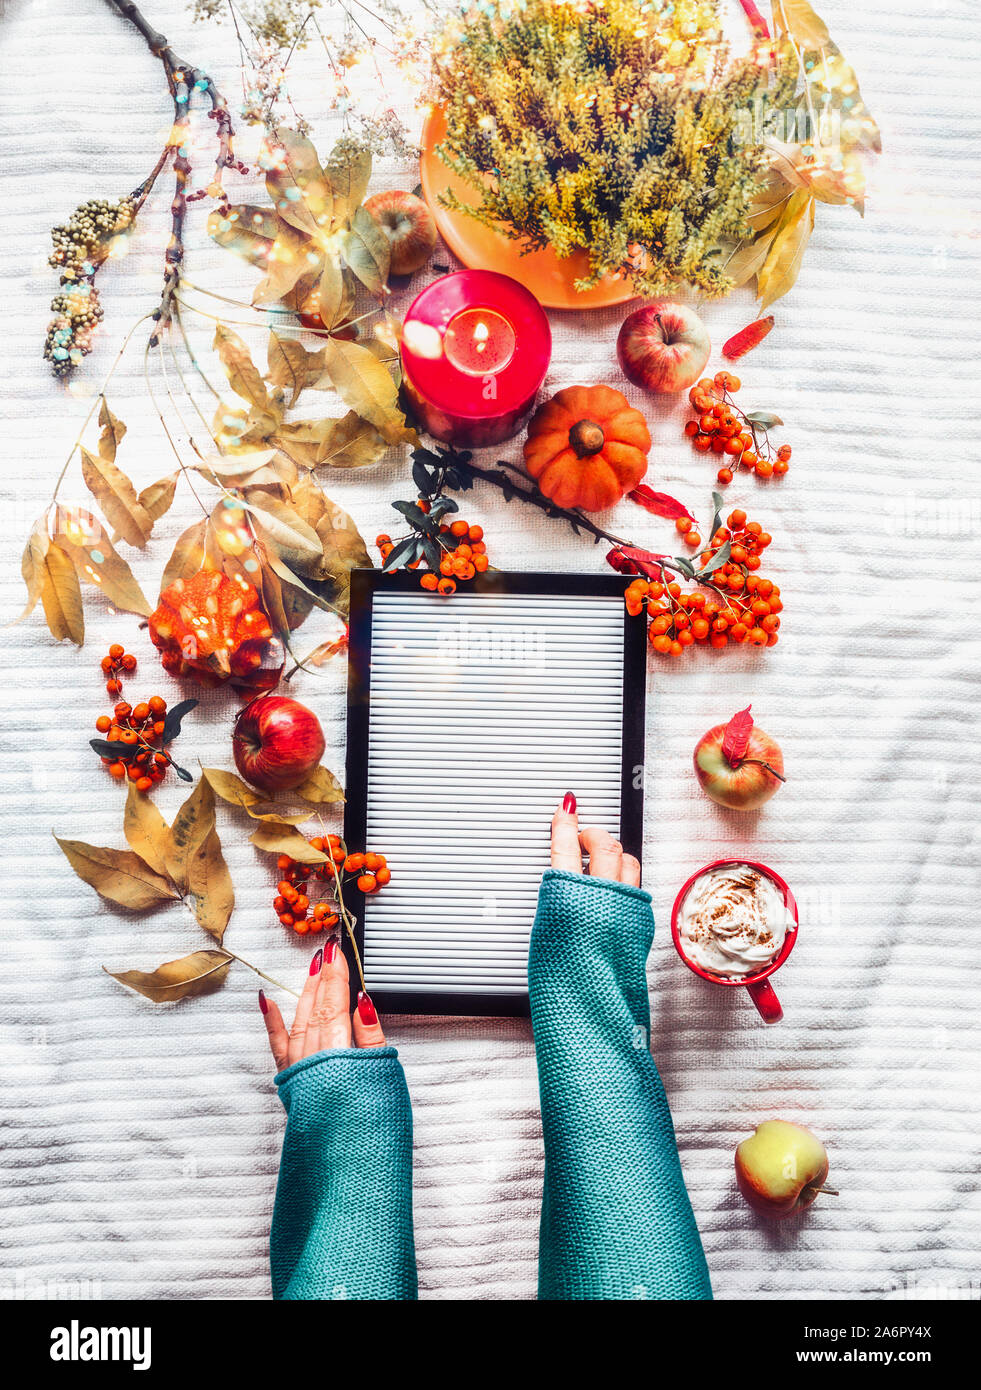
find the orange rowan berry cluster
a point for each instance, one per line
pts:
(115, 664)
(140, 727)
(463, 554)
(741, 606)
(292, 901)
(721, 427)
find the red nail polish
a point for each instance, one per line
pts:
(569, 803)
(317, 962)
(329, 949)
(263, 1003)
(366, 1009)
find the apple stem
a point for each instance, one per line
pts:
(761, 763)
(828, 1191)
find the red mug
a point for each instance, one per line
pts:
(760, 990)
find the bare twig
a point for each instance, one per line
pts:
(183, 79)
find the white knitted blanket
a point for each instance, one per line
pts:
(140, 1143)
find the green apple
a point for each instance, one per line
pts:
(781, 1168)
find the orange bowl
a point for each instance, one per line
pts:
(550, 279)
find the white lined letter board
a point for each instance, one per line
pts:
(469, 718)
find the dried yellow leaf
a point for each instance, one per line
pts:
(193, 823)
(199, 973)
(156, 499)
(32, 566)
(212, 896)
(84, 539)
(146, 831)
(188, 555)
(321, 786)
(118, 875)
(243, 376)
(112, 433)
(284, 839)
(783, 261)
(117, 497)
(365, 386)
(61, 596)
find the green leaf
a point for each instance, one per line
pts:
(119, 752)
(174, 717)
(405, 552)
(717, 506)
(720, 557)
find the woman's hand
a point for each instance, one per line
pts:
(322, 1017)
(606, 856)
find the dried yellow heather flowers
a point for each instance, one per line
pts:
(623, 128)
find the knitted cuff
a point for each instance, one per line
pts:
(286, 1078)
(589, 930)
(342, 1225)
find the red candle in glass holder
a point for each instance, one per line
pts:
(475, 349)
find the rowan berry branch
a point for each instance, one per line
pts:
(499, 478)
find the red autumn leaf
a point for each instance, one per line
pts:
(659, 503)
(735, 740)
(749, 337)
(757, 21)
(630, 559)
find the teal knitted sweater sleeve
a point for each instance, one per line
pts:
(342, 1223)
(616, 1219)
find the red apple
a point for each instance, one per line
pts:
(781, 1168)
(277, 743)
(409, 226)
(744, 783)
(663, 347)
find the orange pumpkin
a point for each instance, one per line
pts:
(213, 627)
(587, 447)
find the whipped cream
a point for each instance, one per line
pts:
(733, 921)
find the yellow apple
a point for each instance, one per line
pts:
(780, 1168)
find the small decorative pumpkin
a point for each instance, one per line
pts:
(587, 447)
(211, 626)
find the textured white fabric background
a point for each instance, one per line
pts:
(140, 1143)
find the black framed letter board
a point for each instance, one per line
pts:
(469, 718)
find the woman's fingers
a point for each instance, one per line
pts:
(566, 853)
(279, 1039)
(605, 853)
(304, 1008)
(367, 1029)
(329, 1024)
(630, 872)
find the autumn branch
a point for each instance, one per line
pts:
(183, 80)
